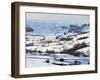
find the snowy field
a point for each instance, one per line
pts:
(40, 61)
(37, 61)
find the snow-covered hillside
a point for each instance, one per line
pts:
(50, 45)
(77, 43)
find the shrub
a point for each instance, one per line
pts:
(62, 60)
(82, 38)
(78, 46)
(49, 41)
(39, 51)
(50, 51)
(77, 62)
(77, 53)
(83, 32)
(47, 61)
(63, 39)
(69, 38)
(64, 51)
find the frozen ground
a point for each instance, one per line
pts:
(37, 61)
(40, 61)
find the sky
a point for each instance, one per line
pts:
(43, 22)
(69, 18)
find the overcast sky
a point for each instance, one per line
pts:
(62, 18)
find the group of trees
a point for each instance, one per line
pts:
(77, 28)
(73, 51)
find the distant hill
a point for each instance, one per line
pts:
(49, 28)
(29, 29)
